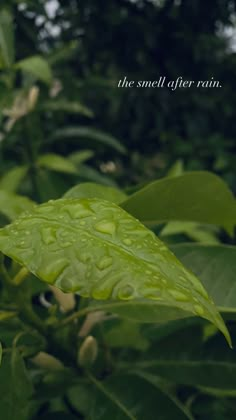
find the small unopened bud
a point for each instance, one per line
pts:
(33, 97)
(88, 352)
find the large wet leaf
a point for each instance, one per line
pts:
(195, 196)
(95, 248)
(216, 267)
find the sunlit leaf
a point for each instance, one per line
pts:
(37, 66)
(57, 163)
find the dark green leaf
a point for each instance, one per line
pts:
(7, 52)
(216, 268)
(184, 358)
(88, 133)
(135, 401)
(64, 105)
(15, 388)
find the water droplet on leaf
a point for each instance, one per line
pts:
(106, 227)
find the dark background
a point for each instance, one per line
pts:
(91, 44)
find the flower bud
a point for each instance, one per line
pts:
(88, 352)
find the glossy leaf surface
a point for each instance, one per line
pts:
(95, 248)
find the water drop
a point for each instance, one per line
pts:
(105, 262)
(106, 227)
(126, 292)
(199, 310)
(65, 244)
(177, 295)
(82, 223)
(48, 236)
(198, 286)
(127, 242)
(50, 269)
(65, 285)
(79, 212)
(101, 293)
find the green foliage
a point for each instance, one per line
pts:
(99, 318)
(138, 305)
(199, 196)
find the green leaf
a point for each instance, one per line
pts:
(37, 66)
(216, 268)
(7, 52)
(63, 105)
(195, 196)
(88, 173)
(12, 205)
(92, 190)
(95, 248)
(15, 388)
(141, 310)
(6, 315)
(126, 334)
(0, 353)
(88, 133)
(182, 359)
(80, 157)
(193, 230)
(57, 163)
(176, 169)
(11, 180)
(135, 401)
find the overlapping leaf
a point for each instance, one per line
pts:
(195, 196)
(216, 267)
(92, 190)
